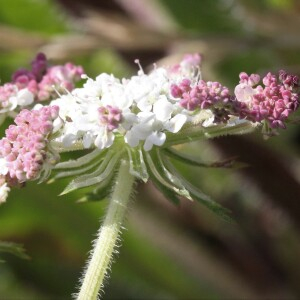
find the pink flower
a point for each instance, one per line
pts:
(24, 148)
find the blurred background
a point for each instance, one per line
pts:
(167, 252)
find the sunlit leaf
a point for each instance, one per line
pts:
(104, 170)
(137, 164)
(164, 177)
(83, 160)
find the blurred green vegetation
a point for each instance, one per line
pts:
(167, 252)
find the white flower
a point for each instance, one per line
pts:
(151, 129)
(3, 167)
(175, 124)
(24, 97)
(104, 138)
(4, 190)
(146, 108)
(244, 93)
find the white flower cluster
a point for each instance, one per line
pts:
(141, 109)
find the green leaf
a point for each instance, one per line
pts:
(165, 178)
(76, 171)
(168, 193)
(102, 172)
(194, 161)
(12, 248)
(137, 164)
(83, 160)
(101, 191)
(37, 16)
(201, 197)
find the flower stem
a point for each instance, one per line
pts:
(99, 263)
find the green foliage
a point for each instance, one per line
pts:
(203, 16)
(40, 16)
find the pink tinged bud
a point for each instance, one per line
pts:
(110, 116)
(254, 79)
(243, 77)
(295, 81)
(176, 91)
(188, 102)
(269, 79)
(285, 113)
(39, 65)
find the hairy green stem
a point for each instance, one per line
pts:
(99, 263)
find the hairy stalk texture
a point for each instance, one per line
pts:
(101, 256)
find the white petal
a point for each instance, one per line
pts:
(156, 138)
(69, 139)
(163, 109)
(131, 139)
(87, 140)
(129, 119)
(4, 190)
(176, 123)
(25, 97)
(144, 105)
(244, 92)
(57, 124)
(3, 166)
(13, 101)
(208, 122)
(105, 139)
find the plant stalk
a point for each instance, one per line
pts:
(99, 263)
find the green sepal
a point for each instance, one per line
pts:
(137, 164)
(13, 248)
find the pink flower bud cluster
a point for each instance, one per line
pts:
(42, 81)
(110, 116)
(273, 101)
(24, 148)
(203, 95)
(58, 79)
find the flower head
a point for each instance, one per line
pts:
(41, 83)
(24, 150)
(273, 101)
